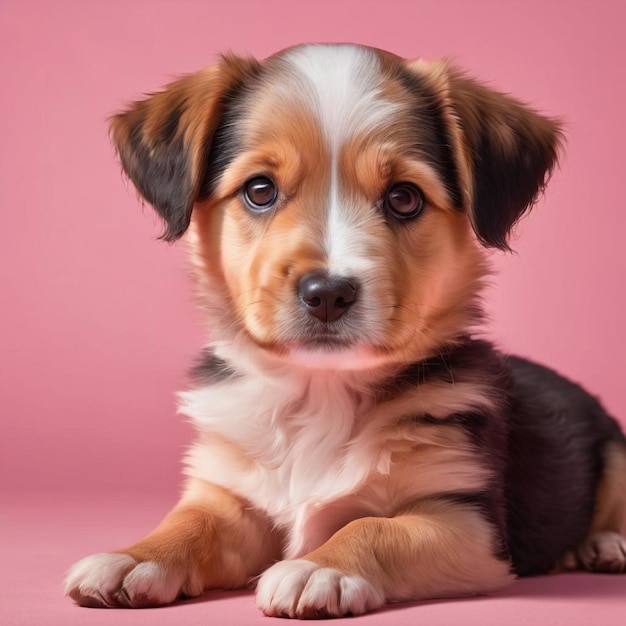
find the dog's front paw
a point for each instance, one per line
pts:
(117, 580)
(303, 589)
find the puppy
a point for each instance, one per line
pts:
(355, 444)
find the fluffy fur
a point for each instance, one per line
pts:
(355, 445)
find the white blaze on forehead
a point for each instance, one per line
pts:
(344, 92)
(346, 84)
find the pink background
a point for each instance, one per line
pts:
(97, 323)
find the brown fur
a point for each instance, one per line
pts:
(177, 122)
(426, 276)
(203, 538)
(443, 543)
(610, 512)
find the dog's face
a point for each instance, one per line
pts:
(337, 195)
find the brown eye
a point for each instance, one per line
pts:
(404, 201)
(260, 193)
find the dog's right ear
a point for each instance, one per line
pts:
(163, 142)
(504, 151)
(510, 150)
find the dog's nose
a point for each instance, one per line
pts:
(327, 297)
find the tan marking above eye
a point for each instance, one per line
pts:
(371, 168)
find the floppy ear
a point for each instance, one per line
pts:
(504, 151)
(163, 142)
(511, 151)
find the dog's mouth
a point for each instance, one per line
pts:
(328, 341)
(333, 354)
(332, 349)
(349, 343)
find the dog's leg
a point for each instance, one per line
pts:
(443, 548)
(604, 550)
(210, 540)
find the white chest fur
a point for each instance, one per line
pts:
(314, 451)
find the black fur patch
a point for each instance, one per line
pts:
(210, 369)
(431, 138)
(226, 144)
(505, 184)
(472, 422)
(161, 174)
(171, 124)
(513, 150)
(544, 442)
(469, 361)
(159, 162)
(473, 362)
(558, 433)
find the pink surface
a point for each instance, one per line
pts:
(46, 536)
(98, 327)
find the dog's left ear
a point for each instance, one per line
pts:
(164, 141)
(505, 152)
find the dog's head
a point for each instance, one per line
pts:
(338, 197)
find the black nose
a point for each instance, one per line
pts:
(327, 297)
